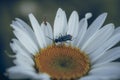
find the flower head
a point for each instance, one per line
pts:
(72, 50)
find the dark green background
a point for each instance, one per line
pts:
(10, 9)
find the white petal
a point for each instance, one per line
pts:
(26, 41)
(109, 70)
(73, 24)
(27, 28)
(25, 25)
(18, 72)
(22, 26)
(22, 64)
(117, 30)
(21, 56)
(47, 29)
(18, 48)
(38, 31)
(24, 60)
(83, 24)
(95, 41)
(42, 76)
(91, 77)
(60, 23)
(97, 77)
(98, 22)
(109, 56)
(107, 45)
(19, 31)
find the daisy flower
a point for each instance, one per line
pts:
(72, 50)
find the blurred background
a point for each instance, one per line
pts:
(10, 9)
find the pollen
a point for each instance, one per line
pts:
(62, 62)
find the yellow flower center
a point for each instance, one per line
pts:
(62, 62)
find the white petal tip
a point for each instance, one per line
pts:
(17, 18)
(11, 25)
(112, 24)
(59, 10)
(88, 15)
(74, 12)
(13, 21)
(104, 14)
(30, 15)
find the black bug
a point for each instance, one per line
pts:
(63, 38)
